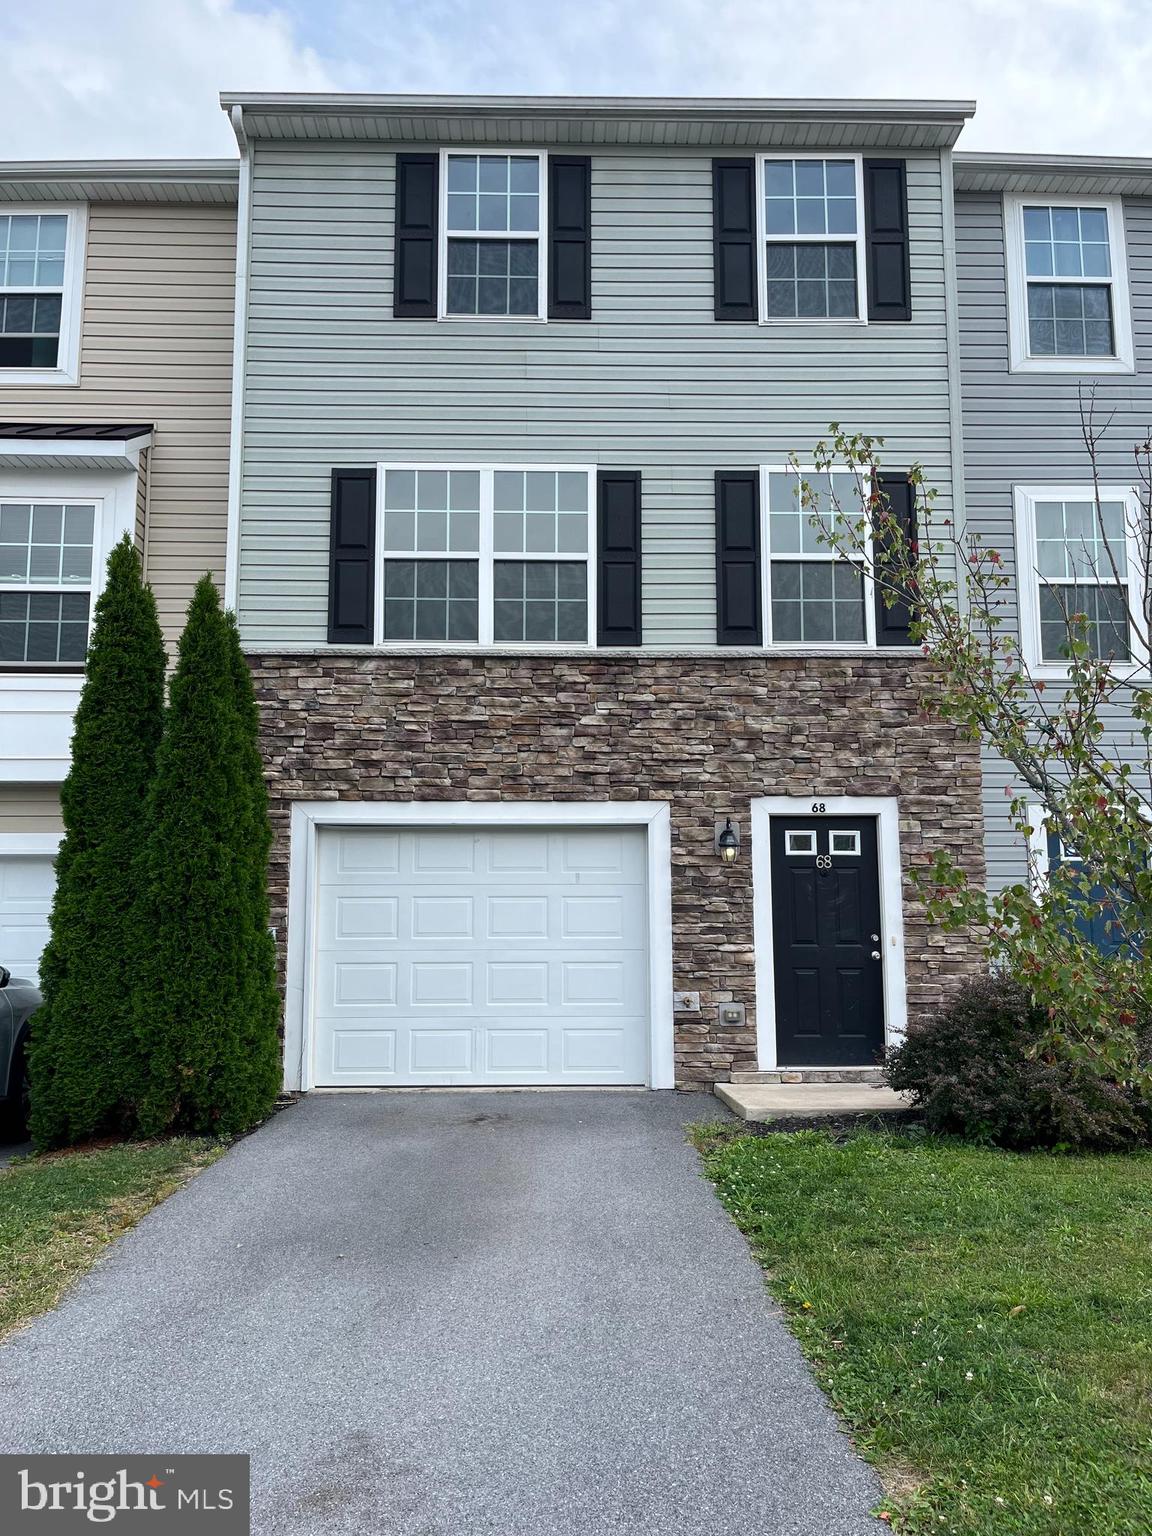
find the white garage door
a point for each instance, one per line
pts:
(27, 883)
(495, 956)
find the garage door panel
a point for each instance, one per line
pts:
(27, 885)
(437, 972)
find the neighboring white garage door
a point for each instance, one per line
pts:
(494, 956)
(27, 883)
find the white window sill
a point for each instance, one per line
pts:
(1086, 367)
(37, 377)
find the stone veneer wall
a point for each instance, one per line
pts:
(705, 733)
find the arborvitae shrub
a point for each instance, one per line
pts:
(206, 1005)
(83, 1067)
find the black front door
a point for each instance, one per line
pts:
(826, 941)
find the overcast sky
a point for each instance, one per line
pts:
(140, 77)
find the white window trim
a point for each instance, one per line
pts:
(1028, 576)
(887, 813)
(67, 370)
(818, 647)
(487, 558)
(1021, 359)
(541, 237)
(859, 240)
(309, 816)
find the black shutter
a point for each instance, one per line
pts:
(414, 264)
(894, 624)
(351, 557)
(569, 237)
(738, 557)
(618, 557)
(734, 239)
(886, 230)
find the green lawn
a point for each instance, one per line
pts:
(982, 1320)
(57, 1213)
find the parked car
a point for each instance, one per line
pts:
(19, 1000)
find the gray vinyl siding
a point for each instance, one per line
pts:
(652, 382)
(156, 346)
(26, 808)
(1025, 429)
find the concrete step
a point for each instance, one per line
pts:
(808, 1101)
(809, 1075)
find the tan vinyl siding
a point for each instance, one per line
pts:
(26, 808)
(156, 346)
(652, 382)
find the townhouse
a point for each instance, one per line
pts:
(1054, 262)
(589, 763)
(117, 284)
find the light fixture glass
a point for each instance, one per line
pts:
(728, 843)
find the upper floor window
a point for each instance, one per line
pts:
(816, 595)
(812, 238)
(493, 206)
(487, 555)
(40, 266)
(1080, 575)
(1068, 279)
(46, 565)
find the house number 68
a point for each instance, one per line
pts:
(823, 861)
(818, 808)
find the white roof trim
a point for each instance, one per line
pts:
(1071, 175)
(95, 453)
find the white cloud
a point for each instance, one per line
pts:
(140, 77)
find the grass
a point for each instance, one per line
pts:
(981, 1319)
(59, 1212)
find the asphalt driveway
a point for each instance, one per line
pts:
(450, 1315)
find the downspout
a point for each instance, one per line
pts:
(239, 355)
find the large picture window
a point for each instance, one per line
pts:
(493, 217)
(483, 555)
(1080, 575)
(46, 566)
(1067, 269)
(812, 238)
(815, 595)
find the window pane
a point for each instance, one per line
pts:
(431, 600)
(1073, 540)
(43, 628)
(1105, 613)
(810, 197)
(1066, 242)
(811, 281)
(817, 601)
(494, 193)
(528, 518)
(1070, 320)
(541, 601)
(32, 249)
(502, 277)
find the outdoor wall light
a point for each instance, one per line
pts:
(728, 840)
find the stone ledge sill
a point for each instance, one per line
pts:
(807, 1101)
(858, 1075)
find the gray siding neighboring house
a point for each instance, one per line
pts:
(1023, 427)
(498, 855)
(130, 418)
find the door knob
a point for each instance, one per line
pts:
(875, 954)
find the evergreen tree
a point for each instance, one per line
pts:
(206, 1004)
(82, 1064)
